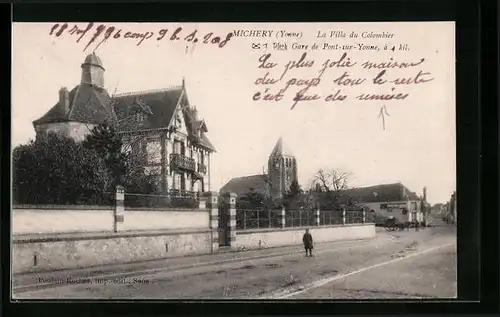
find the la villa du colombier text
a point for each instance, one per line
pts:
(364, 34)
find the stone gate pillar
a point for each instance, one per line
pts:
(343, 216)
(317, 217)
(119, 207)
(232, 219)
(212, 204)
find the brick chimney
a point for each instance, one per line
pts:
(194, 112)
(425, 194)
(64, 99)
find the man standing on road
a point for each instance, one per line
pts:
(308, 242)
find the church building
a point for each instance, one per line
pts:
(160, 127)
(282, 171)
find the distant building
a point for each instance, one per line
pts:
(282, 171)
(161, 127)
(388, 200)
(248, 184)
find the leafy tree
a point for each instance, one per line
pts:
(105, 141)
(126, 169)
(294, 197)
(57, 170)
(295, 189)
(254, 200)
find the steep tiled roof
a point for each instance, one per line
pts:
(206, 143)
(88, 104)
(246, 184)
(385, 192)
(162, 104)
(200, 124)
(281, 149)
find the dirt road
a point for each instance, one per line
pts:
(405, 264)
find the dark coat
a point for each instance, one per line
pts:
(308, 240)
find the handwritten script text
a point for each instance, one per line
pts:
(337, 72)
(102, 33)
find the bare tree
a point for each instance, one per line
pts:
(331, 180)
(332, 183)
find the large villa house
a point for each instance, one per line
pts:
(159, 126)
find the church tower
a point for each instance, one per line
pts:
(93, 71)
(282, 169)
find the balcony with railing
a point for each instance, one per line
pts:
(202, 168)
(182, 162)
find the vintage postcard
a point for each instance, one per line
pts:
(233, 161)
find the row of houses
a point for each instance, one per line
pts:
(449, 209)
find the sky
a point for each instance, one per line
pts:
(417, 146)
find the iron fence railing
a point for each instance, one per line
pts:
(300, 218)
(176, 199)
(330, 217)
(258, 218)
(181, 193)
(353, 216)
(272, 218)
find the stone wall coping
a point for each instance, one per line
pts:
(210, 194)
(75, 236)
(47, 208)
(165, 209)
(62, 207)
(303, 228)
